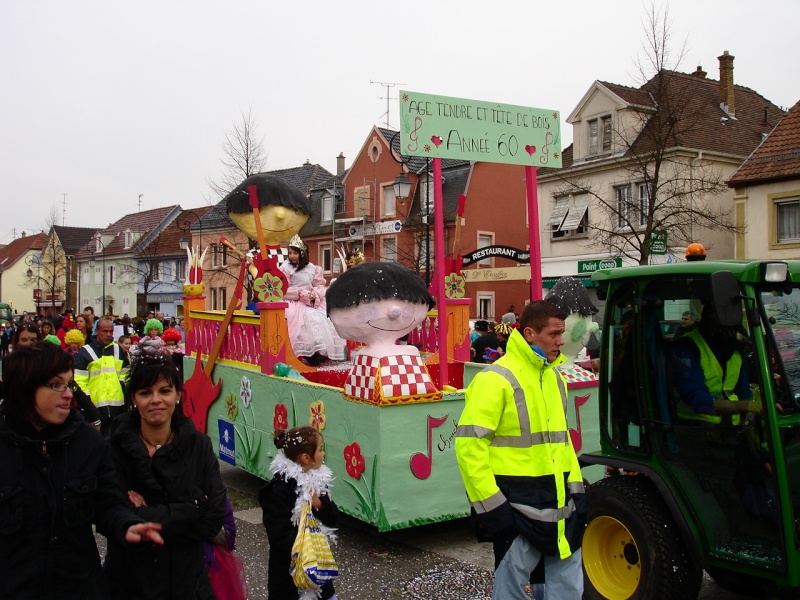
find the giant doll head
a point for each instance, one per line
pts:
(571, 296)
(282, 208)
(376, 303)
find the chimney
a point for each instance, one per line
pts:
(340, 164)
(699, 73)
(726, 83)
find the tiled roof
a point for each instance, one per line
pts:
(455, 184)
(142, 222)
(705, 126)
(73, 238)
(11, 253)
(778, 157)
(168, 243)
(306, 178)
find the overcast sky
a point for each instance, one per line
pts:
(107, 100)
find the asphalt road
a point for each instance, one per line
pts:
(440, 561)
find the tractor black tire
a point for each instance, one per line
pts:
(631, 548)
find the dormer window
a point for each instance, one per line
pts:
(599, 135)
(128, 238)
(327, 208)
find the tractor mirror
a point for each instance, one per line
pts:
(727, 298)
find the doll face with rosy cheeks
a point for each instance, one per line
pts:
(378, 323)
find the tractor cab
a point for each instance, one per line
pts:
(700, 431)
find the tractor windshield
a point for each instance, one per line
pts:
(782, 309)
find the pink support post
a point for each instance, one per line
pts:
(533, 232)
(441, 299)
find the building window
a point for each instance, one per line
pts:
(560, 210)
(180, 270)
(361, 202)
(128, 239)
(788, 217)
(485, 305)
(327, 208)
(85, 274)
(223, 297)
(213, 299)
(424, 244)
(98, 274)
(112, 274)
(426, 195)
(155, 271)
(599, 135)
(644, 203)
(388, 201)
(575, 221)
(624, 206)
(389, 249)
(219, 256)
(325, 257)
(484, 241)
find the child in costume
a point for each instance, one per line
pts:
(298, 475)
(74, 340)
(151, 343)
(171, 338)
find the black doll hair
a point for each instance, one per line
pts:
(375, 281)
(271, 190)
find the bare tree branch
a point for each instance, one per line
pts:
(243, 155)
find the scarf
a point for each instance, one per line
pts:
(308, 482)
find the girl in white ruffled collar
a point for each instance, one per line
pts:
(298, 475)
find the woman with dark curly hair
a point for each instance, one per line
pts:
(171, 476)
(56, 479)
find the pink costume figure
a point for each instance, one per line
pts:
(311, 333)
(376, 303)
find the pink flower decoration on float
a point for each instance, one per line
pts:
(280, 418)
(317, 418)
(268, 288)
(454, 285)
(354, 460)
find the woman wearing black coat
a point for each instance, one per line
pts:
(55, 481)
(171, 476)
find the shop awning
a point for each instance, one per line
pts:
(548, 282)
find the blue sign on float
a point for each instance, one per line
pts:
(227, 442)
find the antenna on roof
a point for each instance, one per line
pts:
(387, 85)
(140, 202)
(64, 209)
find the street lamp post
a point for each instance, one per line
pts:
(34, 260)
(92, 262)
(185, 224)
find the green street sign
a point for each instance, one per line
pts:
(590, 266)
(443, 127)
(658, 242)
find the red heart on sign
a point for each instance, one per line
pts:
(530, 149)
(436, 139)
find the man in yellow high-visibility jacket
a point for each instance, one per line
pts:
(517, 461)
(100, 369)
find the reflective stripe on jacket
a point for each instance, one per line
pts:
(99, 375)
(513, 447)
(717, 381)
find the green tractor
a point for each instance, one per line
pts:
(686, 492)
(6, 314)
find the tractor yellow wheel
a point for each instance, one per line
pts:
(611, 558)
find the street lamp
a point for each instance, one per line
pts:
(185, 224)
(34, 260)
(92, 247)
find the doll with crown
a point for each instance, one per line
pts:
(311, 333)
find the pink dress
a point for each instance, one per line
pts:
(310, 329)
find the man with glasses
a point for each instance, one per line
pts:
(100, 370)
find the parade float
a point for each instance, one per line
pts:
(389, 412)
